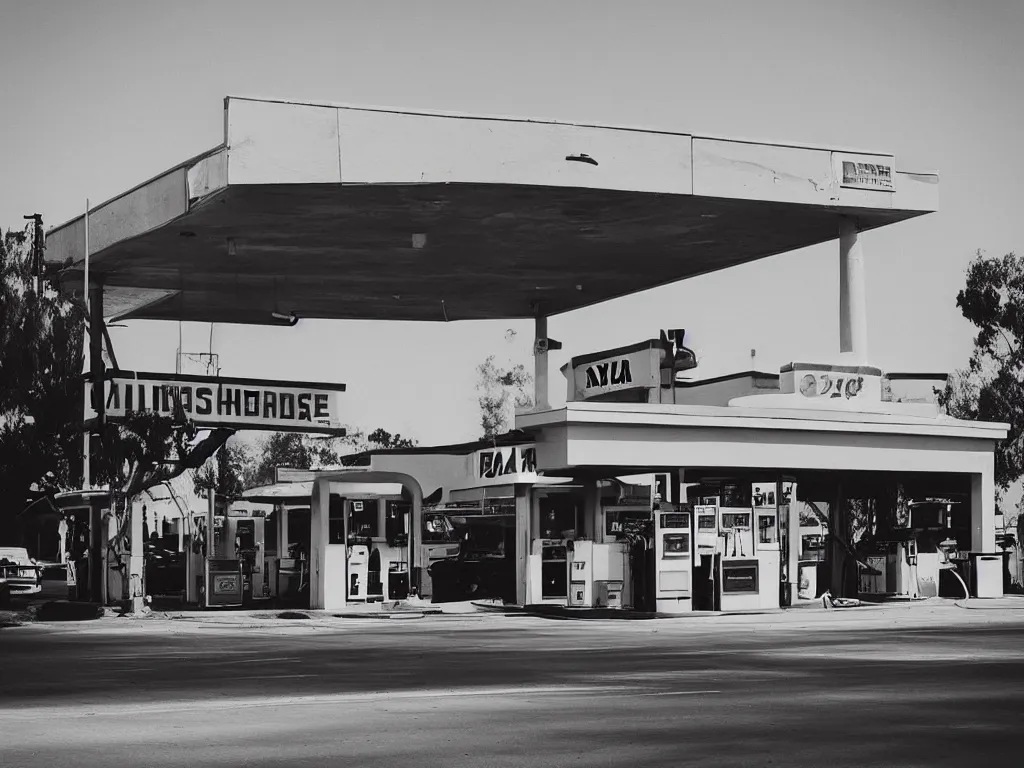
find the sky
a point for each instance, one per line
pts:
(100, 96)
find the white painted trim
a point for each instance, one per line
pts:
(548, 121)
(756, 418)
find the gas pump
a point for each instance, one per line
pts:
(674, 558)
(767, 547)
(554, 562)
(740, 570)
(394, 551)
(358, 571)
(895, 562)
(244, 534)
(707, 556)
(613, 578)
(378, 547)
(581, 573)
(550, 555)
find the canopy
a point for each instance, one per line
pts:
(322, 211)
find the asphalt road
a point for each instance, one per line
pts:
(511, 691)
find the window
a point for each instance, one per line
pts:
(767, 529)
(617, 522)
(736, 520)
(437, 528)
(335, 522)
(675, 520)
(394, 521)
(558, 517)
(364, 522)
(736, 495)
(675, 545)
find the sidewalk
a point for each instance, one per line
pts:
(931, 612)
(405, 609)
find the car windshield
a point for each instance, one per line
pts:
(14, 555)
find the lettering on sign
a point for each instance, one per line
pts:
(609, 374)
(504, 463)
(865, 172)
(225, 402)
(616, 370)
(824, 385)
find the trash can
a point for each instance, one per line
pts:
(987, 574)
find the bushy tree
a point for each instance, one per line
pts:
(991, 388)
(226, 472)
(41, 334)
(302, 451)
(502, 390)
(381, 439)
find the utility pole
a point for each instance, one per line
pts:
(38, 245)
(86, 469)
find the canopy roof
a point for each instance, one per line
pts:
(352, 212)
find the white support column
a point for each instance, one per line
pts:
(524, 540)
(136, 593)
(540, 364)
(983, 510)
(282, 532)
(415, 537)
(591, 510)
(794, 542)
(319, 517)
(853, 321)
(211, 541)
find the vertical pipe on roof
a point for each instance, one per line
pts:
(540, 362)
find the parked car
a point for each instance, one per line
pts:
(23, 575)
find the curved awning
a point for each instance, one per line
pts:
(287, 492)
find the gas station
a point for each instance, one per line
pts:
(337, 212)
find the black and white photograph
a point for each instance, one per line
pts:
(543, 383)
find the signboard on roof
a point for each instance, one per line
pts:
(505, 465)
(873, 172)
(217, 401)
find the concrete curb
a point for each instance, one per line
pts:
(1005, 603)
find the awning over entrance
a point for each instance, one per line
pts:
(349, 212)
(639, 438)
(285, 492)
(622, 437)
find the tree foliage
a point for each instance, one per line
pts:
(41, 335)
(226, 473)
(502, 390)
(42, 332)
(991, 387)
(381, 439)
(301, 451)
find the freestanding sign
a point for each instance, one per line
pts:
(215, 401)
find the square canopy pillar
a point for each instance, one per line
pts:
(983, 510)
(319, 518)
